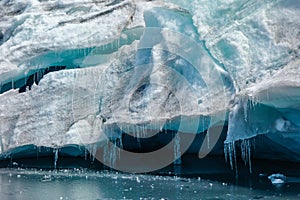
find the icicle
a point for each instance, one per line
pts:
(177, 155)
(110, 154)
(37, 152)
(114, 155)
(91, 151)
(85, 154)
(234, 156)
(1, 145)
(245, 106)
(120, 145)
(105, 153)
(203, 124)
(208, 138)
(137, 135)
(249, 160)
(94, 150)
(226, 152)
(12, 84)
(253, 103)
(230, 152)
(177, 152)
(161, 128)
(55, 158)
(246, 153)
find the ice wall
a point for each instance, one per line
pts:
(123, 81)
(257, 42)
(133, 66)
(253, 39)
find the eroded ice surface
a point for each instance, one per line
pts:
(139, 66)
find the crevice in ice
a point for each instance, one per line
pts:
(37, 77)
(108, 11)
(68, 59)
(25, 83)
(85, 57)
(1, 37)
(114, 2)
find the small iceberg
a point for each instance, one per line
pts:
(278, 180)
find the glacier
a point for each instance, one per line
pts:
(92, 71)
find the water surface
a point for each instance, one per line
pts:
(82, 184)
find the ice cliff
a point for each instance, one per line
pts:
(74, 71)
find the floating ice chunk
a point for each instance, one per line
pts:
(46, 178)
(277, 180)
(282, 124)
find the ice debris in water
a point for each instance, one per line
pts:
(277, 180)
(46, 178)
